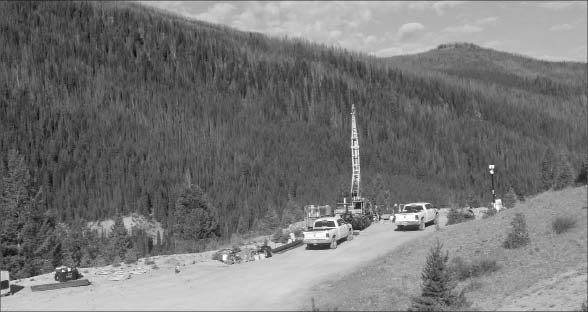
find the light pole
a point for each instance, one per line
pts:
(491, 167)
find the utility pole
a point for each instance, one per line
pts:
(491, 167)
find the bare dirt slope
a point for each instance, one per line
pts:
(278, 283)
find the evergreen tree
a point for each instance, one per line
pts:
(292, 213)
(195, 217)
(437, 290)
(120, 241)
(582, 177)
(21, 219)
(270, 220)
(518, 236)
(548, 169)
(510, 198)
(564, 173)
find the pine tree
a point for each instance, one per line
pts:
(510, 198)
(270, 220)
(563, 173)
(518, 236)
(548, 169)
(195, 217)
(582, 177)
(120, 241)
(437, 290)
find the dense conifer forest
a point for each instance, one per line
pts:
(111, 108)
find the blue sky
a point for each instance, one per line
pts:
(555, 31)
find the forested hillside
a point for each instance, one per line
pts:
(116, 108)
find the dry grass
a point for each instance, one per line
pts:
(389, 282)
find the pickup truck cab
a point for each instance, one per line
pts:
(416, 215)
(328, 231)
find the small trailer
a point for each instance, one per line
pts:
(4, 283)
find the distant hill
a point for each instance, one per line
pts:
(468, 60)
(115, 106)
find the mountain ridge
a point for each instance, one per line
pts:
(111, 105)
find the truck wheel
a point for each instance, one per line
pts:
(308, 246)
(334, 243)
(422, 225)
(400, 227)
(350, 236)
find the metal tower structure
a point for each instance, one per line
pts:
(355, 176)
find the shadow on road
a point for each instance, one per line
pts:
(15, 288)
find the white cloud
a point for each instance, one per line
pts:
(419, 5)
(464, 29)
(218, 13)
(560, 5)
(409, 30)
(334, 34)
(441, 6)
(561, 27)
(486, 21)
(371, 39)
(402, 49)
(492, 43)
(580, 54)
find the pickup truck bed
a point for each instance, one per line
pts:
(416, 215)
(328, 231)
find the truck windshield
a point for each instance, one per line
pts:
(324, 223)
(412, 208)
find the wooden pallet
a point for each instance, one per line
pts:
(76, 283)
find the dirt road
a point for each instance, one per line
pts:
(277, 283)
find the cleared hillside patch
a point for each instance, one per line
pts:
(389, 282)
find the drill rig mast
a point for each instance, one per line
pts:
(359, 211)
(356, 171)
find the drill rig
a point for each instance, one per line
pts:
(359, 211)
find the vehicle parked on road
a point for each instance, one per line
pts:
(328, 231)
(416, 215)
(65, 273)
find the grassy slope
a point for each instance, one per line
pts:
(389, 283)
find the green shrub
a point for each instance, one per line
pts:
(315, 308)
(490, 212)
(463, 270)
(563, 224)
(148, 261)
(217, 256)
(456, 216)
(519, 236)
(100, 261)
(116, 261)
(298, 232)
(510, 198)
(155, 267)
(281, 236)
(131, 256)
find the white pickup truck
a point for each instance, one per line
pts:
(416, 214)
(328, 231)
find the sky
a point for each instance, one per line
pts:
(554, 31)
